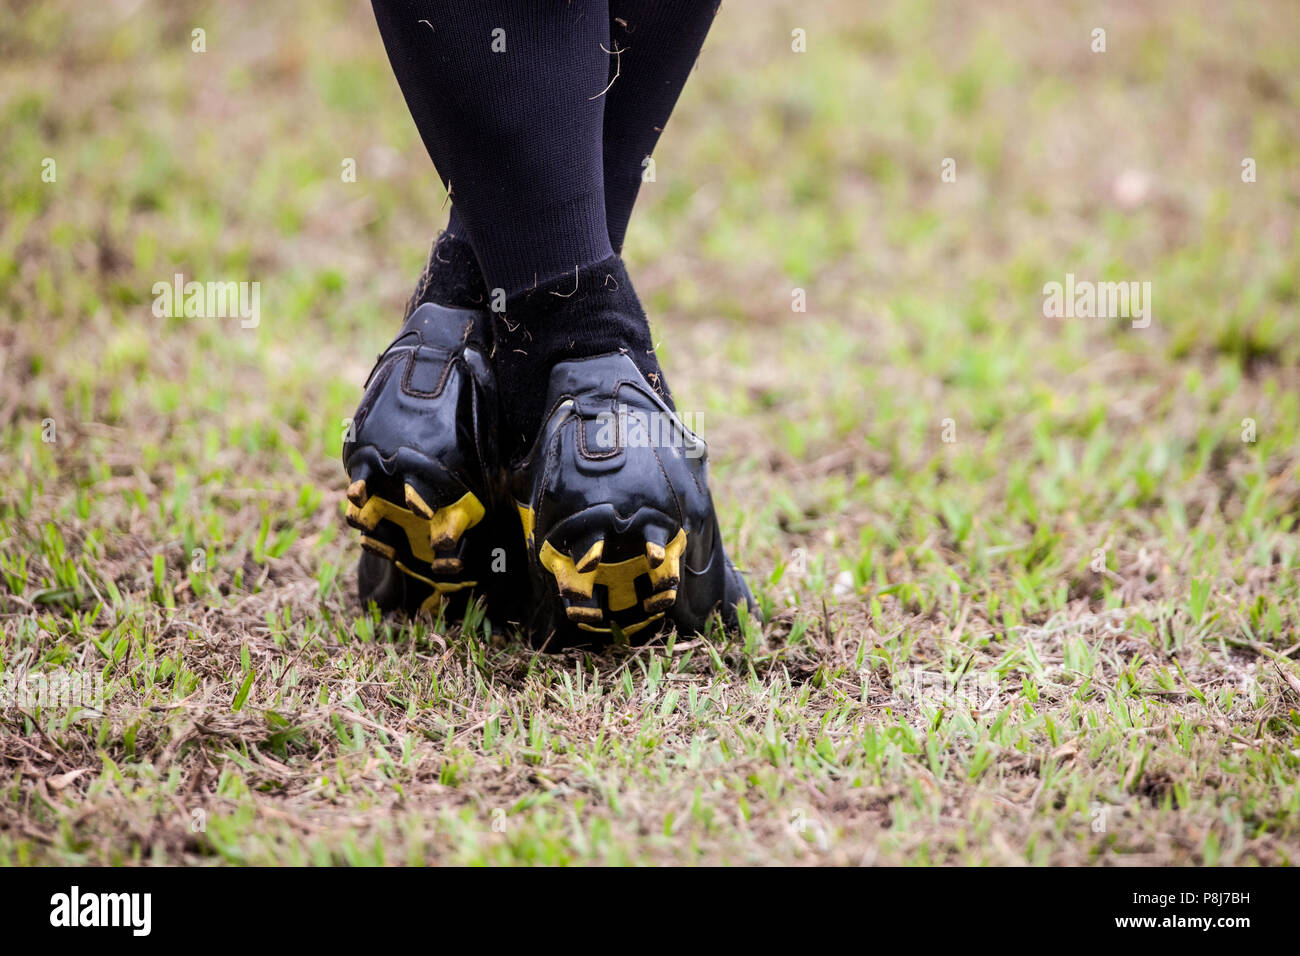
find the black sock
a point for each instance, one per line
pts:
(658, 41)
(508, 97)
(452, 276)
(593, 312)
(511, 99)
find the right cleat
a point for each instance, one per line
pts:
(617, 515)
(421, 463)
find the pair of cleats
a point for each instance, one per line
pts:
(605, 529)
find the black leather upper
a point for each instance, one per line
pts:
(432, 393)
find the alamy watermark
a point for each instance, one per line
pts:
(1085, 299)
(978, 691)
(58, 689)
(133, 911)
(635, 428)
(208, 300)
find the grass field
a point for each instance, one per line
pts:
(1031, 585)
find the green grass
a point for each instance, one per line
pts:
(1067, 636)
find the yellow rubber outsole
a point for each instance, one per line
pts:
(426, 529)
(576, 580)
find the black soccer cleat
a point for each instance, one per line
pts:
(617, 515)
(421, 459)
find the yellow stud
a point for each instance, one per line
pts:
(668, 572)
(449, 523)
(661, 601)
(592, 557)
(585, 615)
(357, 492)
(367, 517)
(378, 547)
(567, 576)
(417, 504)
(444, 587)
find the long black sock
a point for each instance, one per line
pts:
(658, 42)
(591, 313)
(508, 96)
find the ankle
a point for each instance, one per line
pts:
(451, 277)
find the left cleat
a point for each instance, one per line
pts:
(421, 464)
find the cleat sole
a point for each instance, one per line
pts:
(428, 550)
(452, 522)
(601, 595)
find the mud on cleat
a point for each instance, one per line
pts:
(421, 461)
(617, 515)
